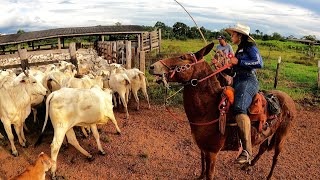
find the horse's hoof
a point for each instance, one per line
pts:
(90, 158)
(102, 153)
(245, 167)
(200, 177)
(118, 133)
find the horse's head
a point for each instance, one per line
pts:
(179, 69)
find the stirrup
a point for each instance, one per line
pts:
(248, 160)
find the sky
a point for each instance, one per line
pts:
(287, 17)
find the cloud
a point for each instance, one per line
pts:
(268, 16)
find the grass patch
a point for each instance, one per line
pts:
(298, 72)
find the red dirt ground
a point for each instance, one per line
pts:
(155, 146)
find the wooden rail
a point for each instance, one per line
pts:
(24, 55)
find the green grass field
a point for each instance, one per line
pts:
(298, 73)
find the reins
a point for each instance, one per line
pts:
(223, 105)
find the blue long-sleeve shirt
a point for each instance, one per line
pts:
(248, 59)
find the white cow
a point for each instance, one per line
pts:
(138, 81)
(15, 105)
(120, 83)
(69, 107)
(39, 76)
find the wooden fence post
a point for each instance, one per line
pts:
(277, 73)
(159, 41)
(143, 61)
(114, 52)
(23, 59)
(150, 40)
(319, 74)
(59, 43)
(73, 56)
(128, 54)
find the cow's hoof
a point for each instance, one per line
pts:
(102, 153)
(53, 176)
(25, 145)
(90, 158)
(118, 133)
(15, 153)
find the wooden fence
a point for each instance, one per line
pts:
(24, 55)
(123, 52)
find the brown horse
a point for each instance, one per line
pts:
(201, 99)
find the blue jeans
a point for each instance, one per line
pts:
(246, 86)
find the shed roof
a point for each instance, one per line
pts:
(67, 32)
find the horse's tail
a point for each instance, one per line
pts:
(287, 117)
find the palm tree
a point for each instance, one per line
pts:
(258, 31)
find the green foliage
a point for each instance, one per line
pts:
(298, 75)
(310, 37)
(20, 31)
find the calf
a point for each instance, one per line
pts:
(38, 171)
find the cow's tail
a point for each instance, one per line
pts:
(46, 119)
(143, 78)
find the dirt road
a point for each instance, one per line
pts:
(154, 146)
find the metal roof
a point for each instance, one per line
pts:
(67, 32)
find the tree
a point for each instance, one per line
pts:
(265, 37)
(20, 31)
(118, 24)
(291, 37)
(166, 31)
(257, 31)
(194, 33)
(180, 30)
(160, 25)
(310, 37)
(276, 36)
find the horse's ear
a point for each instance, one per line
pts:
(204, 51)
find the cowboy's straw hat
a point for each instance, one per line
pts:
(240, 28)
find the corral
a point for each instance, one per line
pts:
(153, 145)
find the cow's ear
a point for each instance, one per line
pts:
(42, 153)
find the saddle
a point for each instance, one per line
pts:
(261, 107)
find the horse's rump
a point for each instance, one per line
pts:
(262, 125)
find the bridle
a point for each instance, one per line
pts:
(192, 82)
(180, 69)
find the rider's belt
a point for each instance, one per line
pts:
(244, 72)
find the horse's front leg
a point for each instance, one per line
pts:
(203, 165)
(210, 158)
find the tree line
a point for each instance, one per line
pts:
(182, 31)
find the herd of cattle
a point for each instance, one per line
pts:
(71, 99)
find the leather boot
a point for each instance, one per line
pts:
(244, 125)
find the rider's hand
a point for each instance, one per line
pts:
(234, 61)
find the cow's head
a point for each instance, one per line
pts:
(45, 161)
(181, 68)
(30, 84)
